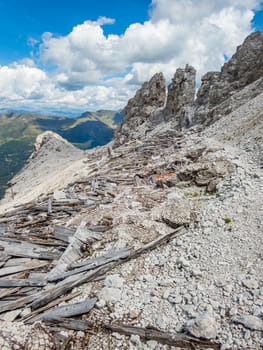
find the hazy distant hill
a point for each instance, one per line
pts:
(18, 132)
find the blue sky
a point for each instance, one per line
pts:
(79, 55)
(24, 19)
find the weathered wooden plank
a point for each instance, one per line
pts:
(7, 292)
(73, 251)
(69, 310)
(31, 223)
(3, 256)
(78, 279)
(69, 323)
(178, 340)
(10, 316)
(92, 263)
(63, 233)
(27, 250)
(5, 271)
(13, 305)
(67, 202)
(98, 228)
(2, 229)
(10, 283)
(99, 260)
(17, 261)
(52, 304)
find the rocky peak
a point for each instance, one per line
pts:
(220, 93)
(181, 94)
(45, 169)
(147, 99)
(245, 67)
(50, 141)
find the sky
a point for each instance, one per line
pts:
(72, 56)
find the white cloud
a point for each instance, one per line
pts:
(88, 70)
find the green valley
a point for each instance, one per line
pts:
(18, 132)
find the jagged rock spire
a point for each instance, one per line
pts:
(181, 94)
(147, 99)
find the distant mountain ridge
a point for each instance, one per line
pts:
(18, 132)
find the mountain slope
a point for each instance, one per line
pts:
(19, 131)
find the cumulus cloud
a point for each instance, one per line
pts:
(87, 69)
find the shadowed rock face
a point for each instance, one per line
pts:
(147, 99)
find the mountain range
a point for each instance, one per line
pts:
(18, 132)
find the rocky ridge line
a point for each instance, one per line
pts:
(217, 96)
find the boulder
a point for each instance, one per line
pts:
(204, 326)
(249, 321)
(177, 213)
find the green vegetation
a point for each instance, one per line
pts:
(13, 155)
(18, 132)
(228, 220)
(193, 194)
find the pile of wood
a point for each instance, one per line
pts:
(43, 261)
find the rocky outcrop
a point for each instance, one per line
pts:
(51, 142)
(180, 97)
(44, 169)
(220, 93)
(147, 99)
(244, 68)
